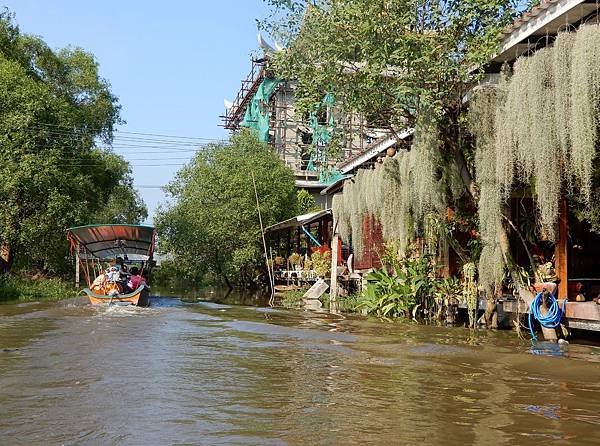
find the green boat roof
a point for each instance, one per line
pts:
(112, 240)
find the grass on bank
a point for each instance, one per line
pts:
(14, 287)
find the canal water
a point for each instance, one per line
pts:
(187, 372)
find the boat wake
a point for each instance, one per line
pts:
(116, 310)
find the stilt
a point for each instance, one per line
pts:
(561, 251)
(77, 262)
(333, 288)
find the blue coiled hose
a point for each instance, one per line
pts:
(551, 319)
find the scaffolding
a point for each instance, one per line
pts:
(234, 114)
(292, 136)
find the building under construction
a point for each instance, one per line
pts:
(321, 147)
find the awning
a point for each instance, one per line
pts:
(336, 186)
(541, 22)
(110, 241)
(299, 220)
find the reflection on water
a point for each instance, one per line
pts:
(222, 371)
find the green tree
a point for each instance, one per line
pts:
(404, 63)
(212, 226)
(306, 202)
(54, 108)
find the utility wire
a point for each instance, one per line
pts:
(129, 140)
(117, 131)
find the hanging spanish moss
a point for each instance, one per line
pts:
(428, 195)
(540, 129)
(470, 291)
(585, 97)
(342, 221)
(400, 193)
(561, 69)
(481, 121)
(395, 216)
(547, 129)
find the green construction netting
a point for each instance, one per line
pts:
(322, 133)
(330, 176)
(257, 113)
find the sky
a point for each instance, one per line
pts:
(170, 63)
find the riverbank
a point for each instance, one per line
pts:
(19, 288)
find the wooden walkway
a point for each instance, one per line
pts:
(580, 315)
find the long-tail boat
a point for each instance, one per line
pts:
(94, 245)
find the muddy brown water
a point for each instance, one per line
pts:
(201, 372)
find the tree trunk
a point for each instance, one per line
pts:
(490, 315)
(465, 175)
(7, 257)
(227, 282)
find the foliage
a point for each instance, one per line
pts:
(516, 147)
(293, 298)
(387, 295)
(54, 106)
(212, 225)
(175, 275)
(447, 289)
(306, 202)
(295, 259)
(347, 304)
(394, 56)
(14, 287)
(409, 290)
(321, 263)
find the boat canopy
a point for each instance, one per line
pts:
(110, 241)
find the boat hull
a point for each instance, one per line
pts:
(139, 297)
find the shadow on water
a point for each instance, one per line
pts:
(217, 295)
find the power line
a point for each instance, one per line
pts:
(129, 139)
(117, 131)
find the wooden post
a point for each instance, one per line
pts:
(77, 261)
(561, 251)
(333, 287)
(549, 333)
(262, 231)
(298, 240)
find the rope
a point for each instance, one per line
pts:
(551, 319)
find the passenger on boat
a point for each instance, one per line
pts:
(135, 280)
(113, 274)
(98, 284)
(120, 265)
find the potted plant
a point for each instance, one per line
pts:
(296, 261)
(321, 263)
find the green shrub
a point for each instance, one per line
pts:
(25, 288)
(408, 290)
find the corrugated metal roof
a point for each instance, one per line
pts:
(299, 220)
